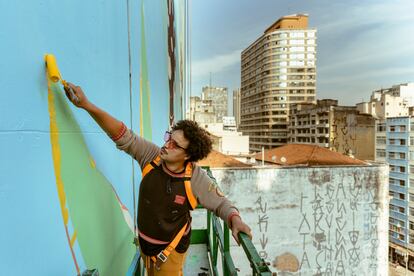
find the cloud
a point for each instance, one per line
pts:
(216, 64)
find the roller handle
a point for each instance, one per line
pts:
(69, 91)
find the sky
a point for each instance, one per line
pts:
(361, 45)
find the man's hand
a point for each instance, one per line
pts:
(237, 225)
(76, 96)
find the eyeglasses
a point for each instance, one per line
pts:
(173, 144)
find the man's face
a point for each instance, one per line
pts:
(174, 147)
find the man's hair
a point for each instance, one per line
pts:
(200, 144)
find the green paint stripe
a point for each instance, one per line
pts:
(103, 235)
(146, 127)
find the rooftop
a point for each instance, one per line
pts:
(219, 160)
(309, 155)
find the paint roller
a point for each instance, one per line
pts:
(54, 75)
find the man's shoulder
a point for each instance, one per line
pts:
(200, 174)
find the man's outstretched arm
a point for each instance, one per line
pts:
(109, 124)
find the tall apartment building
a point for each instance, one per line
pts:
(218, 98)
(236, 106)
(277, 70)
(340, 128)
(394, 144)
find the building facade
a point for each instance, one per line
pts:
(395, 145)
(236, 106)
(390, 102)
(201, 111)
(340, 128)
(226, 138)
(277, 70)
(218, 97)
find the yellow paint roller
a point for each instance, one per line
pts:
(54, 75)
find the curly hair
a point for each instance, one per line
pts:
(200, 144)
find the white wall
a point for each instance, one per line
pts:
(235, 144)
(330, 219)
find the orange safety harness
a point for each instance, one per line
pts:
(163, 255)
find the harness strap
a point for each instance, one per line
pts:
(150, 166)
(163, 255)
(187, 184)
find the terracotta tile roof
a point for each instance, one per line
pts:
(310, 155)
(218, 160)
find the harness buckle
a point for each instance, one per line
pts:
(162, 257)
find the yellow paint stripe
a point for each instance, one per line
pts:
(73, 239)
(92, 162)
(54, 138)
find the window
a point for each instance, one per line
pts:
(401, 155)
(391, 155)
(401, 210)
(402, 142)
(392, 128)
(411, 212)
(411, 225)
(380, 140)
(381, 127)
(391, 141)
(402, 169)
(401, 196)
(402, 128)
(401, 182)
(381, 153)
(411, 197)
(411, 168)
(411, 238)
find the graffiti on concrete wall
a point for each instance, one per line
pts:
(313, 220)
(263, 222)
(343, 133)
(327, 231)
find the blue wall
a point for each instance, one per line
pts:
(90, 42)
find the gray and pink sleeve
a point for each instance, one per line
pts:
(140, 149)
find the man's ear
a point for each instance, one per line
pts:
(186, 157)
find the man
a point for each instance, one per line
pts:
(172, 185)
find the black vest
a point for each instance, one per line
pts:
(163, 209)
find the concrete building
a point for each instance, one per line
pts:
(229, 123)
(390, 102)
(395, 145)
(322, 218)
(226, 138)
(218, 97)
(236, 106)
(339, 128)
(201, 111)
(277, 70)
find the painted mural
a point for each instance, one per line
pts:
(67, 195)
